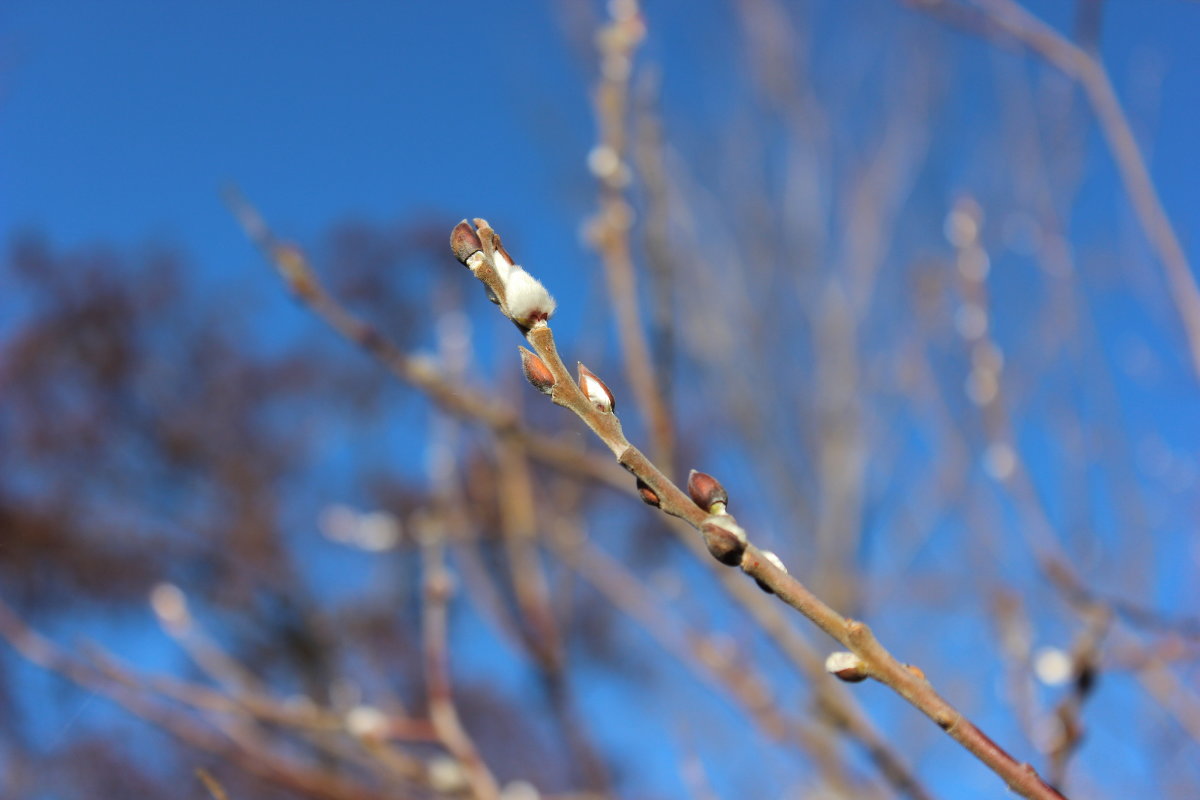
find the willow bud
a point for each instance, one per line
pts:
(648, 495)
(846, 666)
(464, 242)
(707, 492)
(536, 372)
(595, 390)
(726, 542)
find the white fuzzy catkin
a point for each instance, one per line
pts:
(527, 300)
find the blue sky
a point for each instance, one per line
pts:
(120, 121)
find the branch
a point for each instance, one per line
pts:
(1080, 65)
(594, 404)
(443, 713)
(417, 371)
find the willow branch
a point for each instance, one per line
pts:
(609, 230)
(443, 713)
(594, 404)
(420, 372)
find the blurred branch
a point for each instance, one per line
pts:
(246, 752)
(443, 712)
(416, 371)
(609, 231)
(1085, 68)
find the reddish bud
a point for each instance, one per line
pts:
(726, 542)
(916, 671)
(846, 666)
(707, 492)
(464, 242)
(595, 390)
(648, 495)
(536, 372)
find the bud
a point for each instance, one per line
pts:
(916, 671)
(170, 605)
(775, 560)
(726, 542)
(464, 242)
(595, 390)
(536, 372)
(367, 722)
(502, 258)
(527, 300)
(648, 495)
(707, 492)
(846, 666)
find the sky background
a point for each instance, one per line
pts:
(121, 121)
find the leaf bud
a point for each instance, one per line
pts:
(536, 372)
(648, 495)
(846, 666)
(464, 242)
(707, 492)
(726, 541)
(595, 390)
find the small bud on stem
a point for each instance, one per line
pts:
(464, 242)
(595, 390)
(648, 495)
(846, 666)
(726, 542)
(707, 492)
(536, 372)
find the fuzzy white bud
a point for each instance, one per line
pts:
(846, 666)
(528, 301)
(367, 722)
(170, 605)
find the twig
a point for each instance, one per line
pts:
(443, 712)
(416, 371)
(840, 707)
(211, 784)
(609, 230)
(593, 403)
(1086, 69)
(247, 753)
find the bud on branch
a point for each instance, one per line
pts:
(846, 666)
(595, 390)
(707, 492)
(536, 372)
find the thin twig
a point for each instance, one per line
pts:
(443, 712)
(595, 408)
(610, 161)
(1086, 69)
(421, 373)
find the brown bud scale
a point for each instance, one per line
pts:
(725, 544)
(706, 492)
(536, 372)
(648, 495)
(464, 242)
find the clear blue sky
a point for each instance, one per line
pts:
(120, 121)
